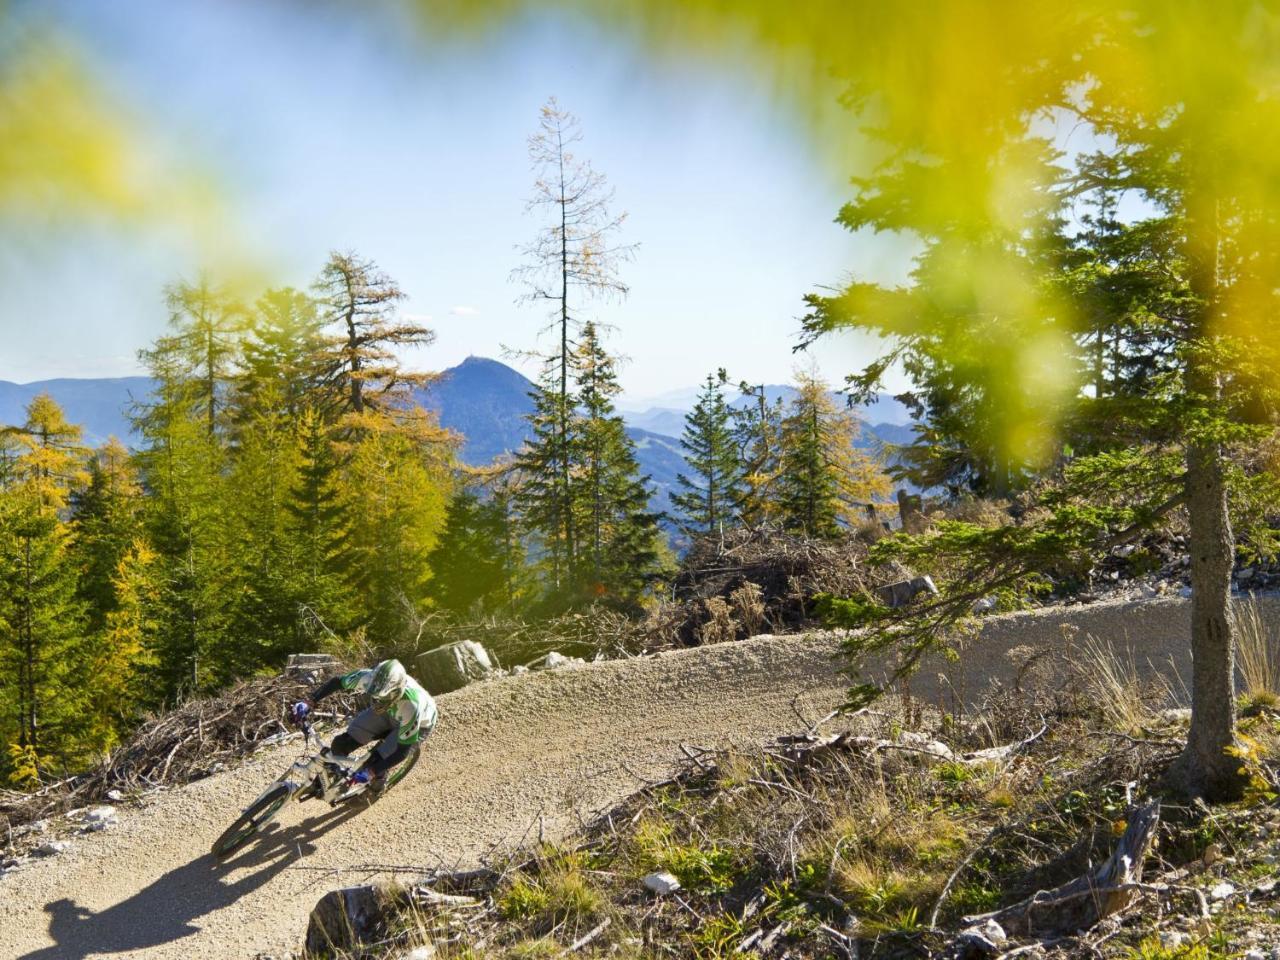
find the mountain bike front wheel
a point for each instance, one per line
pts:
(248, 823)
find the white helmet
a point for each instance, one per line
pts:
(389, 681)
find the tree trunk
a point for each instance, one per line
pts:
(1205, 768)
(353, 349)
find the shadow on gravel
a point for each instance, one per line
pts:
(164, 911)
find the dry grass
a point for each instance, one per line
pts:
(1127, 702)
(747, 605)
(718, 627)
(1256, 654)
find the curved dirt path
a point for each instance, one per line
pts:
(509, 757)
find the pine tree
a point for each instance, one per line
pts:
(713, 497)
(40, 615)
(826, 481)
(362, 371)
(757, 430)
(619, 550)
(477, 563)
(319, 530)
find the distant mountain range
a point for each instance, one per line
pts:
(100, 406)
(483, 400)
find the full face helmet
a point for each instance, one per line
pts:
(389, 679)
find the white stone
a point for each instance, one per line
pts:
(1220, 891)
(1172, 939)
(100, 814)
(993, 932)
(662, 883)
(424, 952)
(52, 848)
(1254, 954)
(115, 796)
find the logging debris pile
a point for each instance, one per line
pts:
(752, 581)
(198, 738)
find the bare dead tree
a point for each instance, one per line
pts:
(574, 258)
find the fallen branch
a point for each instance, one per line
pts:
(587, 937)
(1080, 904)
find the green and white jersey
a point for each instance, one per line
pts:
(415, 711)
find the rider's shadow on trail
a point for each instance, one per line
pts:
(164, 911)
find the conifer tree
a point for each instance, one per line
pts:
(826, 480)
(119, 657)
(262, 474)
(40, 614)
(206, 324)
(284, 353)
(713, 496)
(477, 563)
(757, 429)
(575, 254)
(184, 469)
(544, 496)
(357, 305)
(619, 552)
(395, 494)
(107, 517)
(319, 528)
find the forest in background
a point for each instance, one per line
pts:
(288, 493)
(1086, 329)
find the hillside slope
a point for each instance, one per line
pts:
(511, 758)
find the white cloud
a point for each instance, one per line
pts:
(464, 311)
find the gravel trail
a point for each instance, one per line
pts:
(509, 757)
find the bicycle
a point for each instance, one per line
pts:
(312, 776)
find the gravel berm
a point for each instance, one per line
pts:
(511, 757)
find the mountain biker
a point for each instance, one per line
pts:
(401, 713)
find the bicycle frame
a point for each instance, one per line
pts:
(309, 770)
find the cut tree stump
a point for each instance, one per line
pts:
(453, 666)
(1080, 904)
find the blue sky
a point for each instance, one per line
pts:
(340, 130)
